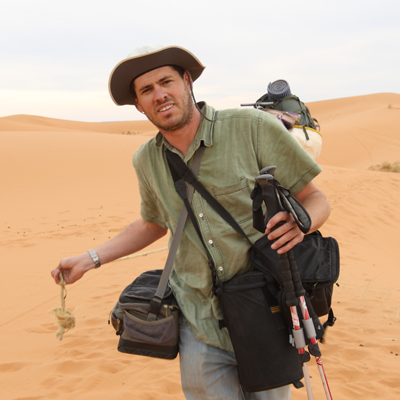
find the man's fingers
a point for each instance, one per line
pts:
(286, 227)
(285, 236)
(288, 245)
(280, 216)
(55, 273)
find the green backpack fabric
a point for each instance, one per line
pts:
(292, 104)
(279, 94)
(293, 114)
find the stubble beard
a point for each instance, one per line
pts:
(187, 108)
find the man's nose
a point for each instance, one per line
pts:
(159, 94)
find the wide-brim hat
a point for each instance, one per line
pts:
(145, 59)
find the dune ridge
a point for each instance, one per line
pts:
(364, 124)
(23, 122)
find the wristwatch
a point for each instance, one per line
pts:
(95, 258)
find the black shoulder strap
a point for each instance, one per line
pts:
(155, 303)
(181, 173)
(179, 169)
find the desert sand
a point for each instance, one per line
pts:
(68, 186)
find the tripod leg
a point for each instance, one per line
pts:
(307, 381)
(298, 332)
(308, 323)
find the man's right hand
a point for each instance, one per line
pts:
(138, 235)
(72, 268)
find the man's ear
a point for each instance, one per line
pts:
(137, 105)
(188, 79)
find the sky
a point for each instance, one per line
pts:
(56, 56)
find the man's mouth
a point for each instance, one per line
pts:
(165, 108)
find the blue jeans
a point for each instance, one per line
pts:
(209, 373)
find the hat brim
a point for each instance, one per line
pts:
(129, 69)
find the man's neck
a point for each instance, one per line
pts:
(182, 138)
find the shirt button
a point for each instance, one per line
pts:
(220, 269)
(201, 215)
(211, 242)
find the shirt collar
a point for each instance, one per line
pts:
(204, 133)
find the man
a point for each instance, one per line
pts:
(238, 144)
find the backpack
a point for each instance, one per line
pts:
(280, 100)
(293, 104)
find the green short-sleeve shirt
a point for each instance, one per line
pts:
(238, 144)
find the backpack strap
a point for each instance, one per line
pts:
(329, 322)
(155, 303)
(181, 172)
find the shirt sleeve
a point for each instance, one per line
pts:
(276, 147)
(149, 207)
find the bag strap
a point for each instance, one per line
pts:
(155, 303)
(181, 172)
(179, 168)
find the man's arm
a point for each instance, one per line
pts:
(135, 237)
(289, 234)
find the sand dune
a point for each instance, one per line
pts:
(33, 123)
(359, 132)
(67, 186)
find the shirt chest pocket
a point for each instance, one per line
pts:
(235, 199)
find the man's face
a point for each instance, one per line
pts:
(165, 98)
